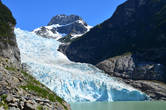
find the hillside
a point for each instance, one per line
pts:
(18, 89)
(136, 26)
(130, 45)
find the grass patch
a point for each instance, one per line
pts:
(11, 69)
(3, 97)
(3, 102)
(30, 78)
(39, 89)
(39, 107)
(59, 99)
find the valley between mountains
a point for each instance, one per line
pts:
(69, 61)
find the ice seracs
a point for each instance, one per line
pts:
(74, 82)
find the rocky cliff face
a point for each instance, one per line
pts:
(8, 45)
(63, 27)
(138, 27)
(18, 89)
(127, 67)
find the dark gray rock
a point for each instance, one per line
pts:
(9, 98)
(11, 52)
(156, 90)
(30, 106)
(42, 31)
(124, 63)
(15, 104)
(64, 19)
(13, 108)
(62, 47)
(74, 28)
(127, 67)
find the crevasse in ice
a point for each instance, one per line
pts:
(74, 82)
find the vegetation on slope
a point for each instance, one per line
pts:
(6, 21)
(33, 86)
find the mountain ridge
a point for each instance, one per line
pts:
(62, 26)
(129, 45)
(111, 32)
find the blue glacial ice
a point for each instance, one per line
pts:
(74, 82)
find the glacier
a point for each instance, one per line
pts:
(74, 82)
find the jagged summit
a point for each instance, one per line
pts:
(63, 19)
(61, 25)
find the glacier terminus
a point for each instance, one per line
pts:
(74, 82)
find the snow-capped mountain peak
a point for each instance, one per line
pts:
(63, 25)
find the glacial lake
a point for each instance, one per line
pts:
(120, 105)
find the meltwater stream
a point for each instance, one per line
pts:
(74, 82)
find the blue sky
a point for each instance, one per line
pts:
(31, 14)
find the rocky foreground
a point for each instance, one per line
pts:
(20, 91)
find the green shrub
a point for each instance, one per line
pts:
(3, 101)
(11, 69)
(39, 108)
